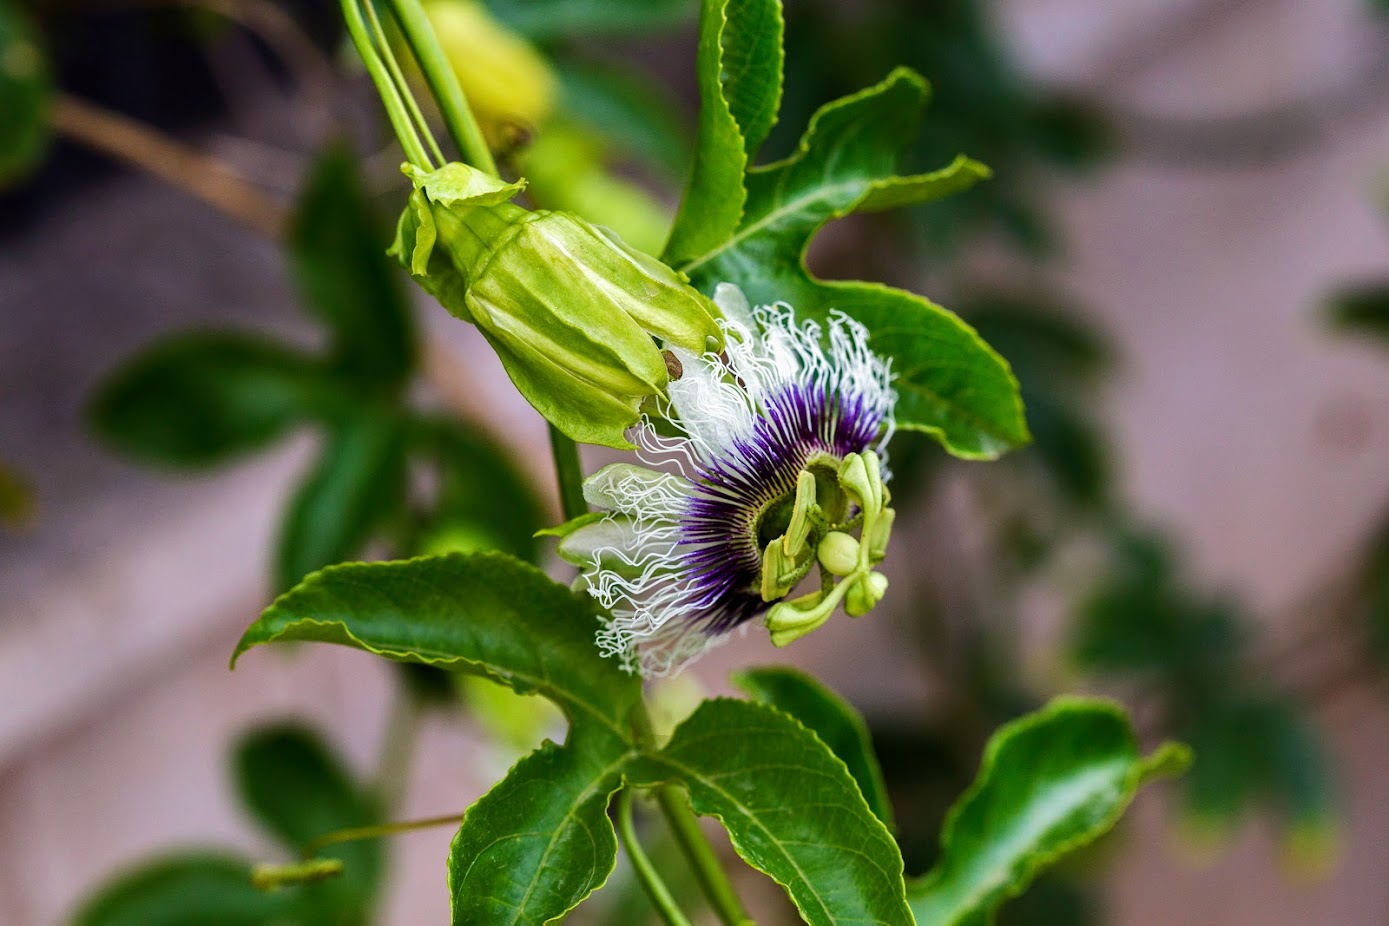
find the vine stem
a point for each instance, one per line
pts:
(684, 825)
(186, 168)
(396, 110)
(463, 127)
(355, 833)
(569, 473)
(448, 93)
(646, 872)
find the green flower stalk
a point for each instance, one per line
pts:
(570, 310)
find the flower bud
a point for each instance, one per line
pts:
(864, 594)
(570, 309)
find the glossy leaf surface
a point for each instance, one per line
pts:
(949, 382)
(482, 612)
(739, 75)
(541, 841)
(791, 809)
(1049, 783)
(829, 717)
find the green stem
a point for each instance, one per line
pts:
(569, 473)
(352, 834)
(393, 67)
(684, 825)
(646, 872)
(710, 874)
(390, 96)
(442, 80)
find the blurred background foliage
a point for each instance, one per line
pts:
(573, 97)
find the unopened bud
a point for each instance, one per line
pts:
(864, 594)
(570, 310)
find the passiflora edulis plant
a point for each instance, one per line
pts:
(759, 404)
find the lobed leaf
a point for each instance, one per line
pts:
(829, 717)
(950, 383)
(540, 841)
(1049, 783)
(198, 399)
(791, 809)
(209, 888)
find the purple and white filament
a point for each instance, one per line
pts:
(677, 560)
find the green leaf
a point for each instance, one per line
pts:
(829, 717)
(208, 888)
(552, 19)
(197, 399)
(739, 75)
(1049, 783)
(298, 791)
(791, 808)
(337, 249)
(358, 481)
(949, 382)
(25, 90)
(482, 612)
(1363, 310)
(541, 841)
(484, 501)
(629, 110)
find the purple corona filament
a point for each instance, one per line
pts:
(677, 561)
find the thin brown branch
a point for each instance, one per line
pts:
(186, 168)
